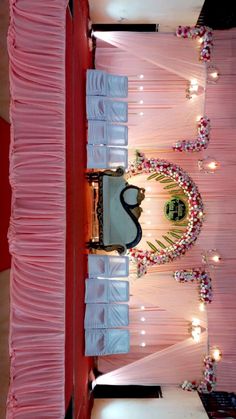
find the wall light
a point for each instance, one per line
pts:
(208, 165)
(216, 354)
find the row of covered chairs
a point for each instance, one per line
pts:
(104, 116)
(103, 314)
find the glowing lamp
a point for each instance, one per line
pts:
(208, 165)
(212, 258)
(216, 354)
(202, 306)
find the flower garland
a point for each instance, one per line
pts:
(202, 277)
(145, 258)
(208, 383)
(204, 33)
(202, 140)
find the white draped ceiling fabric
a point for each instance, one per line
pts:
(36, 45)
(167, 64)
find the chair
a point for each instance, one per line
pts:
(106, 342)
(105, 316)
(106, 291)
(105, 266)
(103, 157)
(99, 83)
(103, 109)
(101, 132)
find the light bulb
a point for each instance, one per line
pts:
(140, 88)
(143, 332)
(148, 212)
(202, 306)
(142, 319)
(216, 258)
(141, 76)
(142, 308)
(149, 234)
(214, 75)
(141, 102)
(141, 113)
(143, 344)
(212, 165)
(148, 222)
(149, 189)
(217, 354)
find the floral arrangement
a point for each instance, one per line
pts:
(202, 140)
(145, 258)
(202, 277)
(208, 383)
(204, 33)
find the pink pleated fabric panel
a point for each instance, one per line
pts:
(36, 45)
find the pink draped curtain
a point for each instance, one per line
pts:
(158, 288)
(158, 109)
(36, 45)
(170, 366)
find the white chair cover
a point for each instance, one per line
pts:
(101, 132)
(105, 266)
(106, 291)
(103, 84)
(103, 109)
(106, 342)
(104, 316)
(103, 157)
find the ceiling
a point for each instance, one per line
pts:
(168, 14)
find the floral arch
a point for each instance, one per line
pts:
(155, 167)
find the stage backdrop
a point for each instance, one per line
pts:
(159, 67)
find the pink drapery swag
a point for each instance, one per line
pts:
(36, 45)
(155, 135)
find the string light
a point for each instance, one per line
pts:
(141, 113)
(148, 212)
(149, 189)
(148, 222)
(143, 344)
(140, 88)
(141, 76)
(143, 332)
(198, 118)
(141, 102)
(142, 319)
(142, 307)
